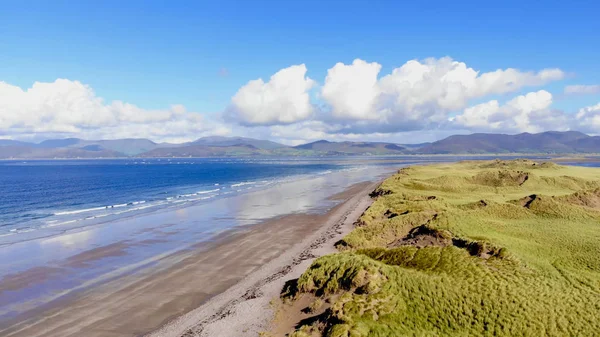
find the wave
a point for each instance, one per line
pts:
(244, 183)
(61, 223)
(85, 210)
(325, 172)
(93, 215)
(97, 212)
(209, 191)
(81, 211)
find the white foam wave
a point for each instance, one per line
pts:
(243, 183)
(80, 211)
(93, 209)
(209, 191)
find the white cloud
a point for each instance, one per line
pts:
(351, 90)
(356, 102)
(284, 99)
(525, 113)
(582, 89)
(418, 93)
(70, 108)
(588, 118)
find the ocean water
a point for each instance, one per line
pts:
(40, 198)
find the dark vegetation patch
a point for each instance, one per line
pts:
(480, 249)
(528, 200)
(379, 192)
(477, 205)
(290, 289)
(405, 171)
(390, 215)
(364, 145)
(394, 147)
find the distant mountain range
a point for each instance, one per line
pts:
(551, 142)
(356, 148)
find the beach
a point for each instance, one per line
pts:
(226, 281)
(246, 308)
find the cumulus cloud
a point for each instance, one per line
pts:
(588, 118)
(418, 93)
(355, 101)
(352, 90)
(524, 113)
(71, 108)
(284, 99)
(580, 89)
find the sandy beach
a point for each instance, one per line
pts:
(217, 288)
(245, 309)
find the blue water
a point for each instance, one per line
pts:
(41, 193)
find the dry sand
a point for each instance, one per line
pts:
(218, 289)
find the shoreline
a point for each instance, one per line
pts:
(245, 308)
(180, 283)
(501, 154)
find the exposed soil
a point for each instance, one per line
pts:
(584, 198)
(424, 236)
(501, 178)
(293, 314)
(389, 214)
(479, 249)
(379, 192)
(504, 164)
(528, 200)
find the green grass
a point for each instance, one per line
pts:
(514, 267)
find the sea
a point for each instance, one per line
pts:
(46, 197)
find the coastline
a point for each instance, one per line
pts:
(184, 282)
(245, 308)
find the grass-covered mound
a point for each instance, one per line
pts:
(502, 248)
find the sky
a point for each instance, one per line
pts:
(297, 71)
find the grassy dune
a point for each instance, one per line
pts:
(500, 248)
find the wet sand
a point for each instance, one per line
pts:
(185, 283)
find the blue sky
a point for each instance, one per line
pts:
(200, 53)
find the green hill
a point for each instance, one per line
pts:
(497, 248)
